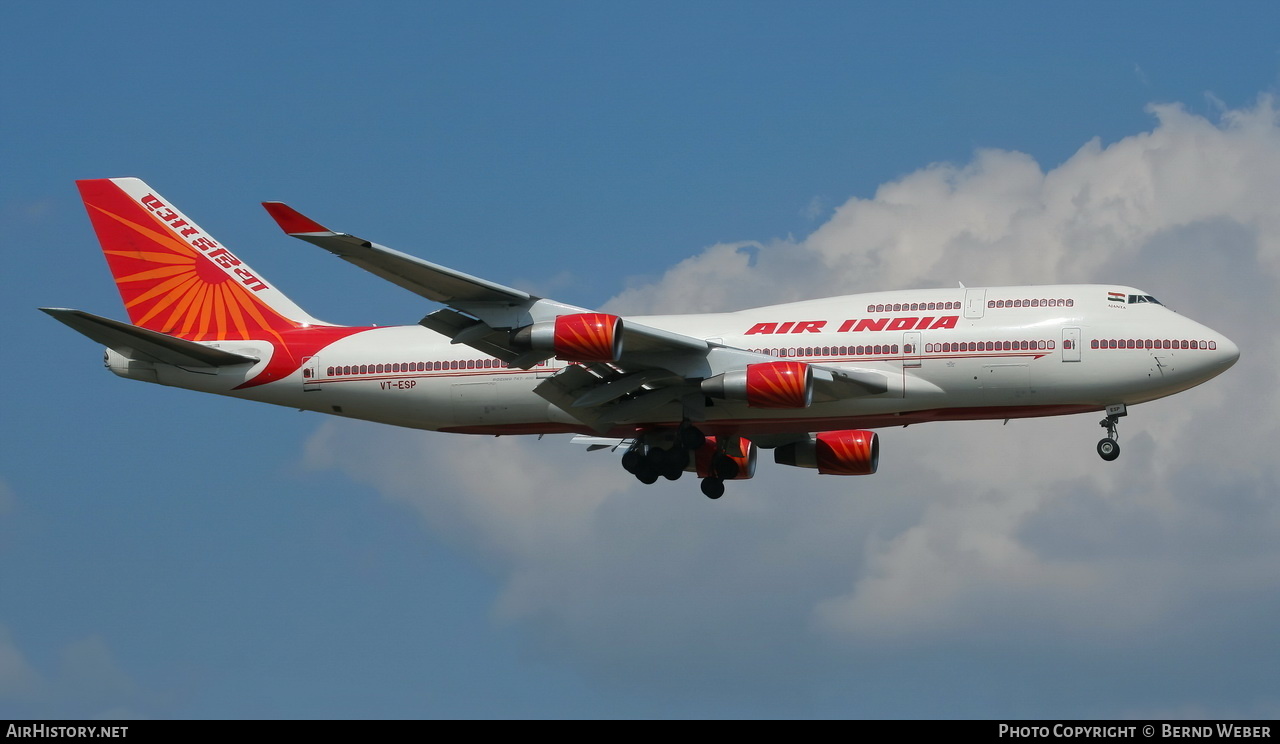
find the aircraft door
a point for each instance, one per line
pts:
(1070, 344)
(975, 303)
(310, 374)
(911, 349)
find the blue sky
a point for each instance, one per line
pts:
(167, 554)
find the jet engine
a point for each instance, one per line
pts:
(765, 385)
(851, 452)
(582, 337)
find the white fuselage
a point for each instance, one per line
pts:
(948, 354)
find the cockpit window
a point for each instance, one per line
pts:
(1134, 298)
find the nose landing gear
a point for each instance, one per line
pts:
(1109, 448)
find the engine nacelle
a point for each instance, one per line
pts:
(765, 385)
(702, 461)
(583, 337)
(851, 452)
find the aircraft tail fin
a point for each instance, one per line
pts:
(174, 277)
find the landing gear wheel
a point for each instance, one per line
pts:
(631, 460)
(649, 467)
(724, 467)
(1109, 448)
(674, 462)
(712, 488)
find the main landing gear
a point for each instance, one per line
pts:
(1109, 448)
(648, 459)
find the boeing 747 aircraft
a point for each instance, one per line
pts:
(674, 393)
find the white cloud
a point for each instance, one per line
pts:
(721, 278)
(815, 209)
(1001, 220)
(971, 531)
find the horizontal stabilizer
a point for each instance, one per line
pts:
(145, 345)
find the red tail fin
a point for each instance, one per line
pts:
(175, 278)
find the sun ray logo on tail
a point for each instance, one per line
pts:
(175, 278)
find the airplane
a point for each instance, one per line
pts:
(699, 393)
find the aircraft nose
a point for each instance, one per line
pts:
(1228, 352)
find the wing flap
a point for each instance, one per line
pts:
(565, 387)
(626, 384)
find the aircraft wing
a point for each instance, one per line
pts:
(498, 306)
(655, 367)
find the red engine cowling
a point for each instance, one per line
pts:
(702, 460)
(765, 385)
(582, 337)
(851, 452)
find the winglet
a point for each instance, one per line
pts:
(291, 220)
